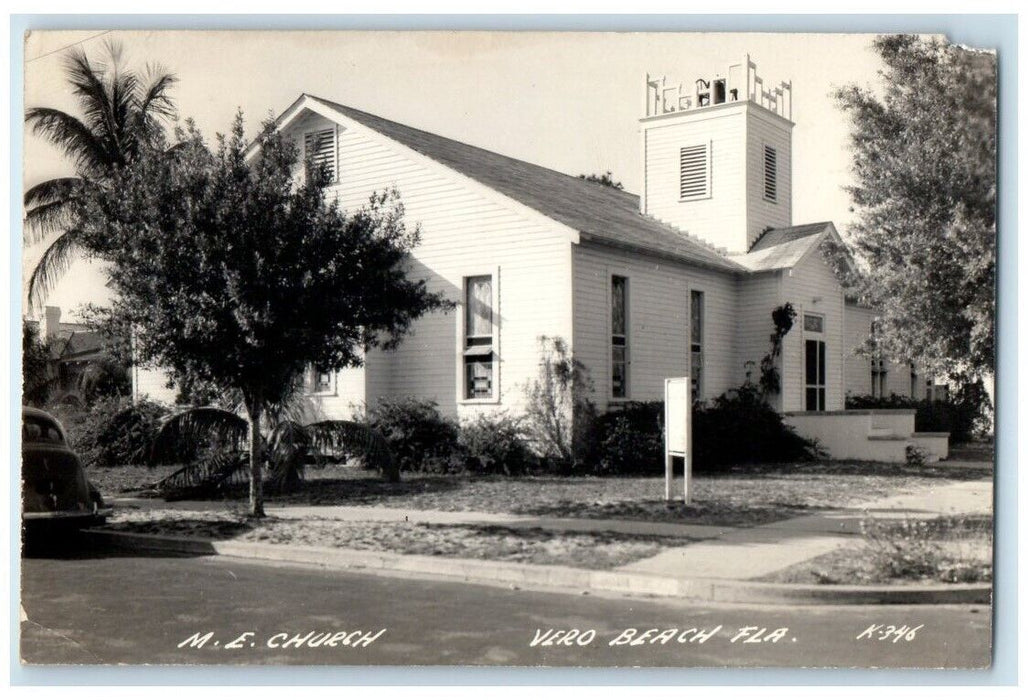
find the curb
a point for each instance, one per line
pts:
(534, 575)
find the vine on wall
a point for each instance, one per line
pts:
(770, 378)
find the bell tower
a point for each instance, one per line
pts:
(717, 155)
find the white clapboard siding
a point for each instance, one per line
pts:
(719, 218)
(658, 312)
(766, 129)
(858, 366)
(812, 287)
(152, 384)
(463, 233)
(758, 297)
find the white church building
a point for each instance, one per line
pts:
(678, 280)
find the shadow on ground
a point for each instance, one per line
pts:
(82, 545)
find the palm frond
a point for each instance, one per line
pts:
(43, 220)
(95, 100)
(287, 453)
(153, 99)
(71, 135)
(356, 440)
(193, 428)
(55, 190)
(52, 266)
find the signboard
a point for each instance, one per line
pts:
(677, 433)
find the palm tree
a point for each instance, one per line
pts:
(122, 110)
(294, 433)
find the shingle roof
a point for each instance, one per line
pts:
(781, 248)
(598, 212)
(777, 236)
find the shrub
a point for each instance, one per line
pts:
(420, 437)
(738, 427)
(629, 439)
(495, 444)
(559, 413)
(113, 432)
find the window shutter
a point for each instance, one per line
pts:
(694, 171)
(320, 150)
(770, 173)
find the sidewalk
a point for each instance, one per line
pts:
(738, 553)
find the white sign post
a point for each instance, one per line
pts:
(677, 433)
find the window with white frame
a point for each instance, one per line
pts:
(479, 350)
(619, 337)
(317, 380)
(320, 151)
(815, 362)
(770, 173)
(694, 172)
(696, 344)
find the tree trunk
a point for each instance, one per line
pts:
(253, 415)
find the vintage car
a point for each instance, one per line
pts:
(54, 490)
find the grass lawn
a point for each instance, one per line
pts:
(743, 496)
(603, 550)
(939, 550)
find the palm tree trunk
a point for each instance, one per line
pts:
(253, 418)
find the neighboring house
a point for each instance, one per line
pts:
(680, 280)
(73, 346)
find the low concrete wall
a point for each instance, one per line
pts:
(935, 444)
(872, 435)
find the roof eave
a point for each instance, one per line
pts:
(728, 267)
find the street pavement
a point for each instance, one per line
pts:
(107, 608)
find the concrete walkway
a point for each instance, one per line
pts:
(752, 552)
(738, 553)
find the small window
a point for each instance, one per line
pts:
(694, 172)
(317, 380)
(813, 323)
(619, 337)
(770, 174)
(479, 355)
(696, 344)
(320, 151)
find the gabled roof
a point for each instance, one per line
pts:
(781, 248)
(80, 345)
(777, 236)
(596, 211)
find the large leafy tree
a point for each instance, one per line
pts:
(234, 273)
(924, 160)
(120, 110)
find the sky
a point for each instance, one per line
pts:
(567, 101)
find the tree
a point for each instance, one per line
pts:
(37, 373)
(235, 274)
(606, 179)
(924, 161)
(121, 111)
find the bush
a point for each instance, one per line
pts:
(559, 413)
(738, 427)
(629, 440)
(112, 432)
(421, 438)
(495, 444)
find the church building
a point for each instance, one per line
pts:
(679, 280)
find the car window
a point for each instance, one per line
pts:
(40, 430)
